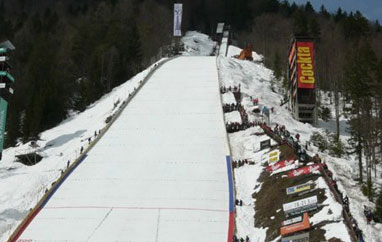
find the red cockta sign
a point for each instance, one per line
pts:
(280, 165)
(304, 170)
(305, 65)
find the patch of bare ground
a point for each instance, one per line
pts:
(272, 196)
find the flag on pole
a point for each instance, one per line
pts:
(178, 8)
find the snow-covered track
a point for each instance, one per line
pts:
(28, 219)
(158, 174)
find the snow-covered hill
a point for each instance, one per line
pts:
(22, 186)
(197, 44)
(255, 82)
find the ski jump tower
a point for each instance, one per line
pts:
(302, 81)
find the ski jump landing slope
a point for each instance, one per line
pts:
(158, 174)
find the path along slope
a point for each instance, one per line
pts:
(158, 174)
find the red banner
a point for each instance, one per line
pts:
(280, 165)
(304, 170)
(297, 226)
(305, 65)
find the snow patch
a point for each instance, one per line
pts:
(197, 44)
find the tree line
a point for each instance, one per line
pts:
(69, 53)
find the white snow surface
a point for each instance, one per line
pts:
(336, 230)
(242, 145)
(233, 117)
(21, 186)
(197, 44)
(228, 98)
(158, 174)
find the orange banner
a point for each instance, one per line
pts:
(305, 65)
(296, 227)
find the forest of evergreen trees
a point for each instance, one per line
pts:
(70, 52)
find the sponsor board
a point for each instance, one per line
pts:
(280, 164)
(292, 221)
(300, 206)
(274, 153)
(265, 144)
(3, 58)
(304, 170)
(284, 169)
(296, 227)
(305, 65)
(273, 159)
(274, 156)
(297, 238)
(299, 188)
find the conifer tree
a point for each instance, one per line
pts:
(300, 23)
(360, 66)
(309, 8)
(378, 209)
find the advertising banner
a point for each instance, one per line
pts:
(274, 153)
(304, 170)
(274, 158)
(3, 119)
(300, 206)
(299, 188)
(296, 226)
(285, 169)
(305, 65)
(280, 165)
(296, 238)
(265, 144)
(178, 8)
(292, 221)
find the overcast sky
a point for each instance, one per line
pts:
(372, 9)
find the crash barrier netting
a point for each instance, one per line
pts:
(55, 185)
(347, 216)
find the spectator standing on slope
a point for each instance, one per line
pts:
(297, 137)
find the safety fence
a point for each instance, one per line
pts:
(55, 185)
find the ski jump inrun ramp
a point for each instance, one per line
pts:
(160, 173)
